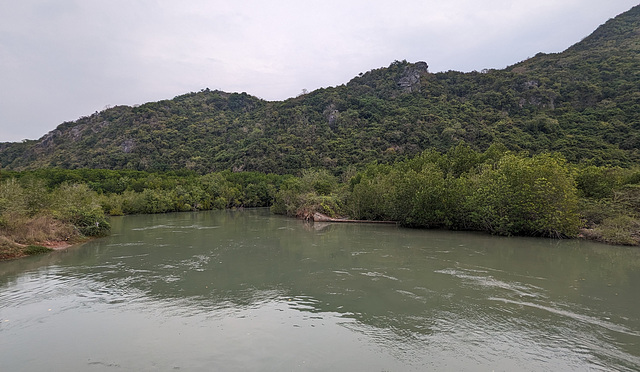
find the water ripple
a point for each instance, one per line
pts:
(521, 289)
(580, 317)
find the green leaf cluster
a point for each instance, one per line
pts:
(495, 191)
(315, 191)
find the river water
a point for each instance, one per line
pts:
(250, 291)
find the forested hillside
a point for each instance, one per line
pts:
(583, 103)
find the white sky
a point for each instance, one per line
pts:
(62, 59)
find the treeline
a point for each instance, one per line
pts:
(496, 191)
(131, 192)
(53, 205)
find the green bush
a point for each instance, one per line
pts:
(315, 191)
(90, 222)
(507, 194)
(623, 230)
(526, 196)
(597, 182)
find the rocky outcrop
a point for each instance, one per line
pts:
(127, 146)
(410, 80)
(332, 114)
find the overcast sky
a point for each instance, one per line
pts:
(63, 59)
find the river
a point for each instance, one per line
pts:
(250, 291)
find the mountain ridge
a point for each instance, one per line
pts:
(583, 103)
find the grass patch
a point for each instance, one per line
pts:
(36, 249)
(622, 230)
(38, 229)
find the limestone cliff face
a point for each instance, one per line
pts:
(410, 80)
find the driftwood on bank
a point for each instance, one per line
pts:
(319, 217)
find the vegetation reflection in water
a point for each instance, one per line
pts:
(248, 290)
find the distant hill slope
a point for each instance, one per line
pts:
(584, 103)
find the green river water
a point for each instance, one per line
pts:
(250, 291)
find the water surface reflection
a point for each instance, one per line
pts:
(251, 291)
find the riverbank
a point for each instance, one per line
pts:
(319, 217)
(27, 236)
(12, 250)
(592, 234)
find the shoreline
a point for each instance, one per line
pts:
(319, 217)
(56, 245)
(584, 234)
(17, 250)
(13, 250)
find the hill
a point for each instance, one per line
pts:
(583, 103)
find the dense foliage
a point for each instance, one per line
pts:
(130, 192)
(496, 191)
(53, 205)
(31, 214)
(582, 103)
